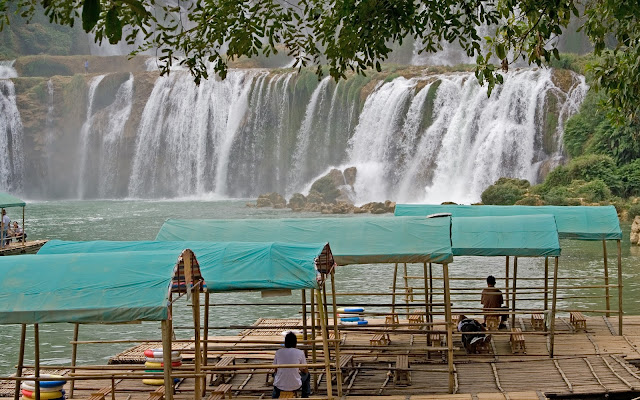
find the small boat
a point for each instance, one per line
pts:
(13, 241)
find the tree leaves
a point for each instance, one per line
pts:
(113, 26)
(90, 14)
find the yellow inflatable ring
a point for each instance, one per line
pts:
(43, 395)
(157, 365)
(153, 382)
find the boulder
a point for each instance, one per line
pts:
(327, 186)
(390, 205)
(635, 230)
(350, 176)
(314, 197)
(264, 202)
(272, 199)
(297, 202)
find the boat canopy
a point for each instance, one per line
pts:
(574, 222)
(7, 200)
(229, 266)
(520, 236)
(86, 288)
(353, 240)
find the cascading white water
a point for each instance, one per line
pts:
(472, 141)
(7, 71)
(11, 154)
(85, 133)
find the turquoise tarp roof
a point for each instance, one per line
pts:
(520, 236)
(227, 266)
(7, 200)
(574, 222)
(353, 240)
(118, 287)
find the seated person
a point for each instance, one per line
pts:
(472, 340)
(18, 232)
(492, 300)
(290, 379)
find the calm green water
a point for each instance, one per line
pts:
(141, 220)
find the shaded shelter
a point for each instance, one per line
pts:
(6, 201)
(593, 223)
(230, 267)
(358, 240)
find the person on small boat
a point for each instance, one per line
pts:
(6, 223)
(291, 379)
(492, 300)
(18, 232)
(471, 341)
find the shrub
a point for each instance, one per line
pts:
(557, 177)
(634, 211)
(557, 196)
(596, 166)
(630, 176)
(521, 183)
(529, 201)
(503, 192)
(592, 192)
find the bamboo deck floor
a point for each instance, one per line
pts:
(586, 363)
(30, 246)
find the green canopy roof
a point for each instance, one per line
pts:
(228, 266)
(7, 200)
(578, 222)
(520, 236)
(353, 240)
(118, 287)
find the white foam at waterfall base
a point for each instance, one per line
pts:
(7, 71)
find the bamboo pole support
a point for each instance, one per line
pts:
(36, 351)
(606, 274)
(314, 352)
(430, 291)
(427, 314)
(304, 313)
(506, 283)
(23, 337)
(74, 355)
(23, 227)
(447, 310)
(166, 355)
(513, 298)
(199, 387)
(546, 284)
(619, 287)
(325, 345)
(393, 296)
(205, 345)
(406, 287)
(336, 333)
(554, 298)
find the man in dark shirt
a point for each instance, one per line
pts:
(492, 300)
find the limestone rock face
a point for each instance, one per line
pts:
(350, 176)
(297, 202)
(273, 199)
(635, 231)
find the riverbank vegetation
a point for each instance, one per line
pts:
(603, 159)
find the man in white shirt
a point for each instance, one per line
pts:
(5, 226)
(290, 379)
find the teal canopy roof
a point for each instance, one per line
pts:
(520, 236)
(96, 288)
(7, 200)
(353, 240)
(577, 222)
(225, 266)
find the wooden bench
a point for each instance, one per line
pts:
(220, 377)
(157, 394)
(416, 319)
(391, 319)
(537, 321)
(380, 339)
(492, 322)
(517, 341)
(578, 320)
(100, 395)
(220, 391)
(287, 395)
(401, 373)
(455, 319)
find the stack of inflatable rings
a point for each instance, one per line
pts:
(155, 364)
(49, 390)
(352, 316)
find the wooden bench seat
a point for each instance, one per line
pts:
(287, 395)
(416, 319)
(220, 377)
(401, 373)
(157, 394)
(380, 339)
(492, 322)
(537, 321)
(220, 391)
(455, 319)
(100, 394)
(578, 320)
(517, 341)
(391, 319)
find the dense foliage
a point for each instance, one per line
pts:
(355, 35)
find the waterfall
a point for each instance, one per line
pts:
(11, 137)
(85, 133)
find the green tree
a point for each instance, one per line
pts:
(505, 191)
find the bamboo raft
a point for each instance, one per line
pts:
(28, 247)
(591, 362)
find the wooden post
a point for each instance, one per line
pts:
(447, 316)
(393, 297)
(325, 344)
(195, 300)
(406, 288)
(324, 298)
(23, 337)
(36, 348)
(314, 352)
(513, 298)
(166, 358)
(336, 333)
(619, 288)
(427, 314)
(606, 276)
(506, 284)
(554, 299)
(546, 284)
(304, 313)
(431, 292)
(74, 355)
(23, 227)
(205, 350)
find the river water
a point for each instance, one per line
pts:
(141, 220)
